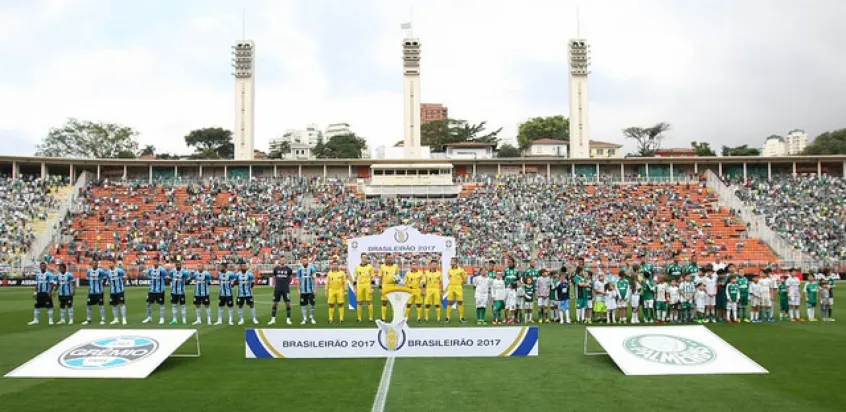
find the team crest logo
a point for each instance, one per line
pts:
(401, 235)
(669, 350)
(392, 335)
(448, 243)
(108, 353)
(354, 245)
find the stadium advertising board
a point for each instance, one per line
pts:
(394, 339)
(671, 350)
(101, 353)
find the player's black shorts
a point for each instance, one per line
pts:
(153, 297)
(307, 299)
(201, 300)
(224, 301)
(43, 300)
(95, 300)
(116, 299)
(66, 301)
(247, 299)
(282, 295)
(177, 299)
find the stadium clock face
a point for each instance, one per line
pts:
(669, 350)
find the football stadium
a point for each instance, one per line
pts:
(443, 272)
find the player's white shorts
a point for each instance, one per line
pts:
(700, 308)
(482, 301)
(711, 301)
(754, 302)
(590, 304)
(649, 303)
(623, 303)
(510, 305)
(793, 300)
(543, 302)
(766, 301)
(732, 306)
(635, 301)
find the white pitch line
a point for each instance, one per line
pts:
(384, 385)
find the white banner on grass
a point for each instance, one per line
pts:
(106, 353)
(393, 339)
(671, 350)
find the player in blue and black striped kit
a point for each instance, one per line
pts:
(67, 288)
(117, 287)
(178, 278)
(306, 277)
(158, 277)
(245, 281)
(226, 277)
(44, 285)
(202, 284)
(96, 286)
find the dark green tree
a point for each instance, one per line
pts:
(148, 150)
(439, 133)
(85, 139)
(648, 138)
(211, 143)
(280, 151)
(346, 146)
(743, 150)
(550, 127)
(828, 143)
(508, 150)
(702, 148)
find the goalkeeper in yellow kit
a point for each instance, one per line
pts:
(336, 290)
(414, 281)
(388, 272)
(455, 289)
(363, 275)
(433, 280)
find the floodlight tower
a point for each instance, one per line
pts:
(411, 95)
(579, 131)
(243, 63)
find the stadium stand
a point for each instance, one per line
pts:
(524, 216)
(25, 203)
(808, 211)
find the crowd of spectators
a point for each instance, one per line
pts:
(522, 216)
(808, 211)
(22, 202)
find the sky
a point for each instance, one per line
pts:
(722, 71)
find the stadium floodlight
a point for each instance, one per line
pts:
(579, 57)
(243, 59)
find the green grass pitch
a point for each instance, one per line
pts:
(806, 361)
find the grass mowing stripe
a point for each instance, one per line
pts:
(384, 386)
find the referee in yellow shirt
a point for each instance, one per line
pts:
(363, 290)
(336, 290)
(388, 272)
(414, 281)
(433, 280)
(455, 289)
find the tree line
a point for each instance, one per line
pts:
(87, 139)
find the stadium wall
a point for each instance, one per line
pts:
(621, 169)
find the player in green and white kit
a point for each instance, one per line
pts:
(532, 272)
(648, 298)
(511, 274)
(692, 268)
(812, 290)
(675, 269)
(528, 298)
(623, 291)
(583, 292)
(661, 300)
(688, 290)
(733, 297)
(783, 301)
(743, 303)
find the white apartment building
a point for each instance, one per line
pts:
(337, 129)
(794, 144)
